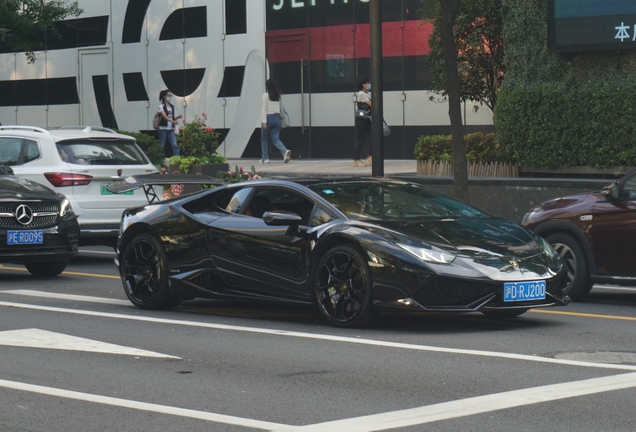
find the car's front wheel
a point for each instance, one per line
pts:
(342, 287)
(143, 273)
(578, 277)
(46, 268)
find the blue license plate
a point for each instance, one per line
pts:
(25, 237)
(524, 291)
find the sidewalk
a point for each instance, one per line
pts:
(297, 167)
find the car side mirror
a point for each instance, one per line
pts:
(281, 218)
(612, 191)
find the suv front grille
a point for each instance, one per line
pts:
(36, 207)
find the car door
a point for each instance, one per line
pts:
(255, 257)
(613, 232)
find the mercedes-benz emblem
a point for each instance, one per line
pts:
(24, 214)
(514, 264)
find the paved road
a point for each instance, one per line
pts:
(89, 361)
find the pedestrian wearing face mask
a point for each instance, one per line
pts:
(363, 120)
(168, 122)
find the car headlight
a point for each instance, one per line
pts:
(429, 254)
(65, 207)
(527, 217)
(546, 248)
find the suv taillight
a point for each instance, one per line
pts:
(68, 179)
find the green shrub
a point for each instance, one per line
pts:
(561, 127)
(561, 110)
(148, 144)
(480, 147)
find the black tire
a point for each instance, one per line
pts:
(143, 273)
(505, 314)
(578, 277)
(46, 268)
(342, 288)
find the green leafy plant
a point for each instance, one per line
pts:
(186, 162)
(238, 175)
(480, 147)
(196, 139)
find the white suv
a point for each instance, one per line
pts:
(79, 162)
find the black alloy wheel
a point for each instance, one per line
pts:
(342, 288)
(143, 273)
(46, 268)
(578, 279)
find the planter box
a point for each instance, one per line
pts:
(445, 169)
(210, 170)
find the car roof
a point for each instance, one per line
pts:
(64, 133)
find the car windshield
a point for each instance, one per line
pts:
(101, 153)
(382, 200)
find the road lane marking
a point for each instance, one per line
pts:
(360, 341)
(36, 338)
(73, 297)
(97, 275)
(144, 406)
(476, 405)
(585, 315)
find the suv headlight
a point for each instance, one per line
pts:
(429, 254)
(65, 207)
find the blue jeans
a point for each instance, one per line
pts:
(273, 127)
(166, 134)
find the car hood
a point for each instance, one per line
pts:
(10, 186)
(481, 238)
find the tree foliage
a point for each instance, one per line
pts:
(23, 21)
(478, 31)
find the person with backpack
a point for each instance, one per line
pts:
(167, 121)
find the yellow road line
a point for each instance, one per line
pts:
(585, 315)
(67, 273)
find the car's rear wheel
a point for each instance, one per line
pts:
(578, 277)
(342, 287)
(505, 314)
(143, 273)
(46, 268)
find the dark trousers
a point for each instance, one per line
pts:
(363, 127)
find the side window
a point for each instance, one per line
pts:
(10, 151)
(233, 202)
(629, 189)
(320, 217)
(31, 151)
(279, 199)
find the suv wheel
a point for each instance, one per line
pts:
(578, 283)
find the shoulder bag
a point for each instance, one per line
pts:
(284, 116)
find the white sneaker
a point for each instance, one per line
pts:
(287, 156)
(264, 161)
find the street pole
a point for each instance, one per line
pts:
(377, 106)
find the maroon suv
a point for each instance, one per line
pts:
(595, 233)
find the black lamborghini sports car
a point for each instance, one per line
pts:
(349, 246)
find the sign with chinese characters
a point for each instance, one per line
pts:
(591, 25)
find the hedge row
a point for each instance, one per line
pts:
(550, 127)
(479, 148)
(561, 110)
